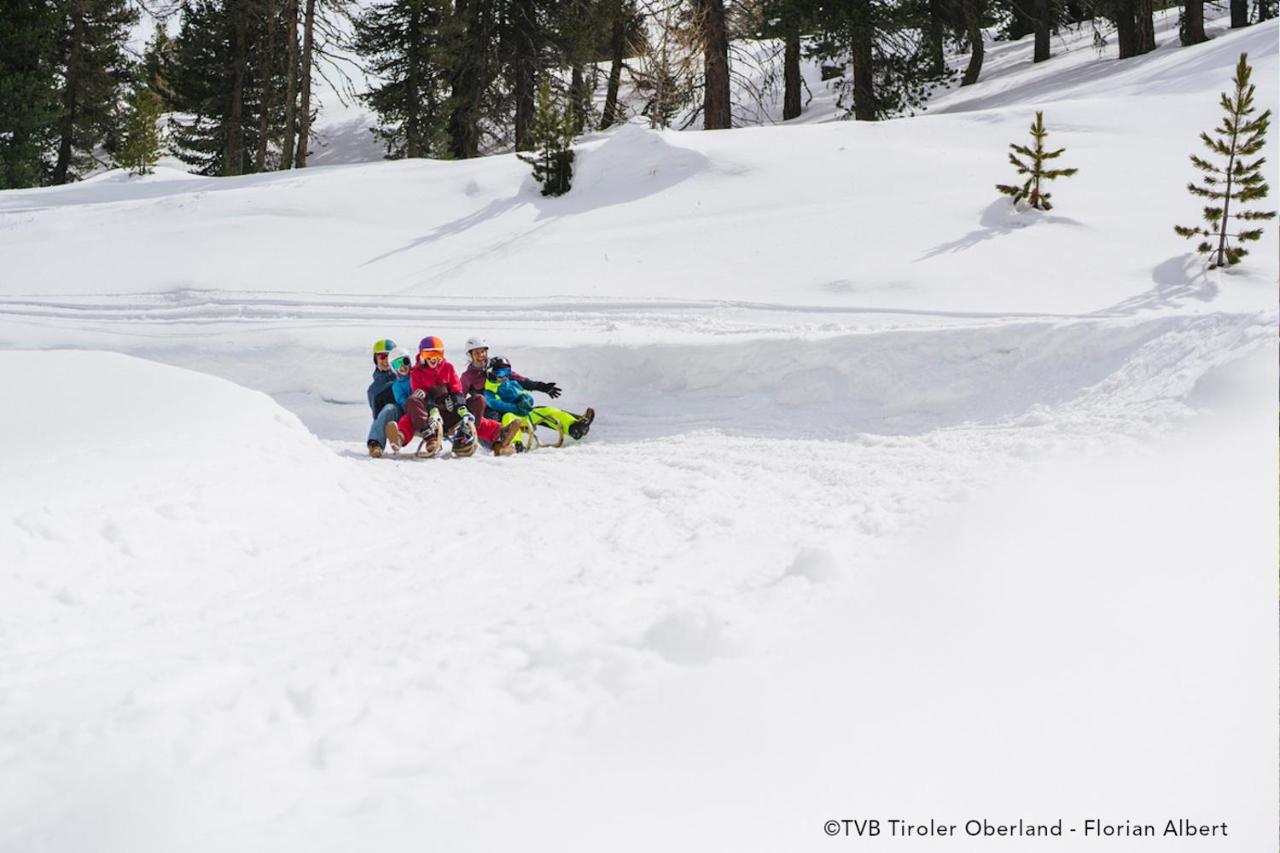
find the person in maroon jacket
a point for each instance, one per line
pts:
(436, 397)
(473, 378)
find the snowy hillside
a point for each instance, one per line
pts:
(897, 504)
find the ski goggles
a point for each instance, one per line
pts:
(402, 363)
(428, 354)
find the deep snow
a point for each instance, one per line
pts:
(896, 500)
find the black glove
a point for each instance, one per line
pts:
(551, 389)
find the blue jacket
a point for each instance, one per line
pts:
(508, 398)
(382, 379)
(400, 387)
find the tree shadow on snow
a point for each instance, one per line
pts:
(1177, 279)
(633, 163)
(998, 219)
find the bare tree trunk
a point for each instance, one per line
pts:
(935, 36)
(1239, 14)
(579, 99)
(864, 89)
(715, 65)
(70, 94)
(617, 47)
(791, 69)
(413, 146)
(525, 59)
(304, 112)
(1146, 26)
(1043, 25)
(973, 29)
(1126, 29)
(1192, 30)
(268, 91)
(234, 163)
(291, 86)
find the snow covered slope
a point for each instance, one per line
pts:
(816, 352)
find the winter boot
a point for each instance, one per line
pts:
(394, 438)
(578, 429)
(502, 445)
(430, 444)
(375, 449)
(464, 439)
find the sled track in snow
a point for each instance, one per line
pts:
(658, 368)
(197, 307)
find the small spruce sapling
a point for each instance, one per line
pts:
(1239, 180)
(552, 139)
(1030, 191)
(141, 146)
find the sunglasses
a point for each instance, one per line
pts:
(382, 356)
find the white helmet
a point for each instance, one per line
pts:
(400, 354)
(476, 343)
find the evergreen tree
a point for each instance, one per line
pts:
(552, 159)
(222, 83)
(401, 43)
(201, 85)
(29, 104)
(142, 137)
(1030, 191)
(94, 69)
(1239, 180)
(893, 72)
(157, 64)
(471, 72)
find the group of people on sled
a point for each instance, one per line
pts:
(422, 396)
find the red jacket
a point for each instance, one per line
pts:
(442, 375)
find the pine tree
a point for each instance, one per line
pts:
(209, 101)
(401, 43)
(892, 69)
(142, 137)
(29, 105)
(157, 64)
(1030, 191)
(552, 159)
(1239, 180)
(94, 69)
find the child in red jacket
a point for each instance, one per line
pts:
(437, 406)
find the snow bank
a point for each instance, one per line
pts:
(132, 488)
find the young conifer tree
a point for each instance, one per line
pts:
(552, 137)
(1239, 180)
(1030, 191)
(141, 147)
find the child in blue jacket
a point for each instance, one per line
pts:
(506, 399)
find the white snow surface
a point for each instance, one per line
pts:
(898, 504)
